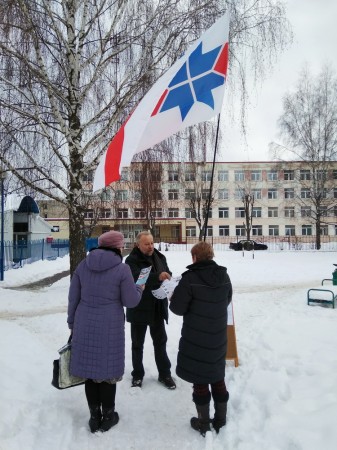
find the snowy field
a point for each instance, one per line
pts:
(283, 395)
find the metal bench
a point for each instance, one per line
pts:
(322, 295)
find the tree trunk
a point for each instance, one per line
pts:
(318, 235)
(77, 250)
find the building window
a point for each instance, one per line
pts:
(137, 175)
(324, 230)
(173, 194)
(106, 195)
(189, 194)
(89, 214)
(306, 230)
(189, 213)
(324, 193)
(223, 230)
(305, 211)
(257, 230)
(305, 193)
(239, 175)
(173, 212)
(272, 175)
(336, 227)
(274, 230)
(334, 174)
(239, 194)
(289, 175)
(175, 231)
(321, 175)
(255, 175)
(137, 195)
(290, 230)
(240, 230)
(223, 175)
(121, 195)
(240, 212)
(257, 194)
(124, 175)
(272, 194)
(257, 212)
(289, 211)
(173, 175)
(155, 175)
(289, 193)
(157, 213)
(305, 175)
(223, 194)
(139, 213)
(189, 176)
(323, 211)
(209, 213)
(191, 231)
(206, 175)
(105, 214)
(223, 213)
(209, 232)
(335, 193)
(157, 195)
(272, 212)
(122, 213)
(204, 194)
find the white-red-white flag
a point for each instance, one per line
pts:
(190, 92)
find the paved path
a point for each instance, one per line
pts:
(36, 285)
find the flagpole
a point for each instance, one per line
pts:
(209, 201)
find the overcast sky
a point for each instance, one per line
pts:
(314, 24)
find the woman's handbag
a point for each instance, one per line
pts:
(62, 379)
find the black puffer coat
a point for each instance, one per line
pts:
(202, 297)
(149, 309)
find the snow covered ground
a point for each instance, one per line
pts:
(283, 395)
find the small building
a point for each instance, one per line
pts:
(22, 226)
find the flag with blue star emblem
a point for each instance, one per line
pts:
(190, 92)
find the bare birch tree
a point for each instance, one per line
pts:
(309, 128)
(72, 70)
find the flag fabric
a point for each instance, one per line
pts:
(190, 92)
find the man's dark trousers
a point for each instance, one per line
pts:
(159, 339)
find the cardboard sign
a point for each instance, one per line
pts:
(232, 351)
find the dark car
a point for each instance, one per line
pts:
(247, 245)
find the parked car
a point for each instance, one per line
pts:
(247, 245)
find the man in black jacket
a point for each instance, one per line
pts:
(150, 312)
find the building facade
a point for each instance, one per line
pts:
(285, 198)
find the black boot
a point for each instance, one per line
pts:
(110, 419)
(95, 419)
(201, 423)
(220, 413)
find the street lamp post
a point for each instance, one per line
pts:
(2, 236)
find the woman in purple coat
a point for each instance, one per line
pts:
(100, 288)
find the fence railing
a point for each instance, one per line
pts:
(274, 243)
(26, 252)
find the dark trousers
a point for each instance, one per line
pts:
(159, 339)
(100, 394)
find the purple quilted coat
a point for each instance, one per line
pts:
(100, 287)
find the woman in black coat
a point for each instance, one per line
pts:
(202, 297)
